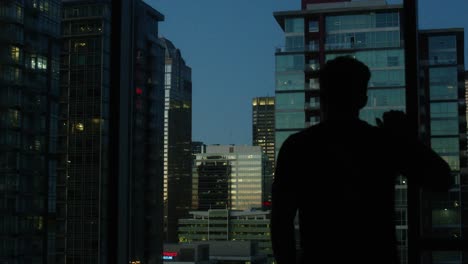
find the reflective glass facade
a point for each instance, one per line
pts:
(145, 235)
(86, 189)
(229, 177)
(444, 87)
(177, 139)
(84, 130)
(29, 91)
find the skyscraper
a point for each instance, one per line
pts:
(146, 210)
(263, 135)
(29, 78)
(84, 120)
(105, 217)
(177, 139)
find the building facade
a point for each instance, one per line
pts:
(177, 139)
(228, 225)
(84, 129)
(228, 176)
(370, 31)
(263, 134)
(147, 130)
(98, 212)
(443, 85)
(29, 81)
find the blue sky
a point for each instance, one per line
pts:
(230, 46)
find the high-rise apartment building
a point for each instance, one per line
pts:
(263, 135)
(230, 177)
(99, 213)
(177, 139)
(29, 80)
(442, 83)
(372, 31)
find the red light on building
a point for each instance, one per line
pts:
(138, 91)
(170, 254)
(267, 203)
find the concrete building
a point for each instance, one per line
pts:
(230, 226)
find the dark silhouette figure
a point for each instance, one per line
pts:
(339, 176)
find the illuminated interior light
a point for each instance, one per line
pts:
(79, 127)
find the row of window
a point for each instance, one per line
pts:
(361, 40)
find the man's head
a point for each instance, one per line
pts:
(343, 86)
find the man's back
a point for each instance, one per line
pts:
(341, 177)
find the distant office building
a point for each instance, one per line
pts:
(177, 139)
(228, 225)
(263, 125)
(263, 133)
(29, 79)
(94, 205)
(228, 176)
(443, 83)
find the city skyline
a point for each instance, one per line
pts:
(241, 53)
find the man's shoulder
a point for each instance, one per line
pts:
(305, 135)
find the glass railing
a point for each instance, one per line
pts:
(302, 48)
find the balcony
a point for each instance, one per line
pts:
(302, 49)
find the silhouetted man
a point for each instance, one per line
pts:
(339, 175)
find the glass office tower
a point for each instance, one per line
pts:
(110, 184)
(177, 139)
(29, 79)
(83, 129)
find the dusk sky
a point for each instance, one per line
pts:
(230, 46)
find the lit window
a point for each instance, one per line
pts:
(15, 53)
(79, 127)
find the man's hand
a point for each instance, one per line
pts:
(396, 122)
